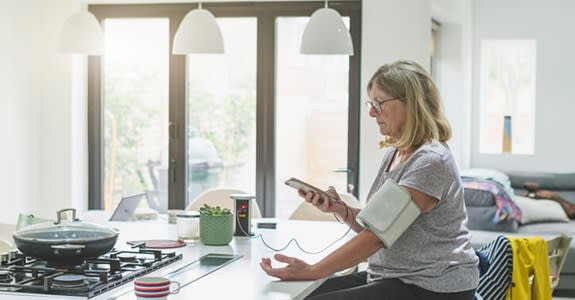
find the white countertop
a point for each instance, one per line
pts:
(242, 279)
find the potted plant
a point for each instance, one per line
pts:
(216, 225)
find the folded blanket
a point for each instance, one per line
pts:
(506, 208)
(489, 174)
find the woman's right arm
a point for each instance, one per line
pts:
(350, 220)
(344, 212)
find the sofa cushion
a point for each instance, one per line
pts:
(481, 218)
(549, 181)
(474, 197)
(567, 195)
(540, 210)
(481, 208)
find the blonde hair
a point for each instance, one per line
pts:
(425, 120)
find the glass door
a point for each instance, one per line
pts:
(135, 105)
(312, 100)
(221, 105)
(173, 126)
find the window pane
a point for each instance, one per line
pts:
(221, 99)
(311, 115)
(136, 108)
(507, 89)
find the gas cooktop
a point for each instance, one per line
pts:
(22, 274)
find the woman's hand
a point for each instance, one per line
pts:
(322, 203)
(296, 269)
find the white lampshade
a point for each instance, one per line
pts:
(198, 33)
(82, 34)
(326, 33)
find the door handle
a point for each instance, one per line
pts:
(342, 170)
(173, 170)
(350, 186)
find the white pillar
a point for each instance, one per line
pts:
(391, 30)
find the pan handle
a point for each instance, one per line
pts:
(61, 212)
(67, 249)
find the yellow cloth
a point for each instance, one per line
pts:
(529, 258)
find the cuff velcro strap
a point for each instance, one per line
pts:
(389, 212)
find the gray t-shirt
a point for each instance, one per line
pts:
(434, 252)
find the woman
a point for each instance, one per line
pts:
(433, 258)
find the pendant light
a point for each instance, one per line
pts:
(326, 33)
(82, 34)
(198, 33)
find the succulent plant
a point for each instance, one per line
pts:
(208, 210)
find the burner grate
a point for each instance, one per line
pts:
(91, 278)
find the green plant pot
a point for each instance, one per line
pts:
(216, 230)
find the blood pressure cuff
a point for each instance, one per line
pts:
(389, 212)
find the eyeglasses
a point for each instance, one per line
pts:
(377, 104)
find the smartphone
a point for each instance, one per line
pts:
(306, 187)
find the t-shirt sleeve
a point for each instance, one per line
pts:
(427, 174)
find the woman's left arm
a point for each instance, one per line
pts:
(423, 200)
(350, 254)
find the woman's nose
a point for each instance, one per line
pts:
(372, 112)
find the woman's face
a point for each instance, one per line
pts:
(392, 116)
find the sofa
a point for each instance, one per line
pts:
(480, 209)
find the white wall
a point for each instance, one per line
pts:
(454, 71)
(16, 109)
(391, 30)
(36, 109)
(551, 24)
